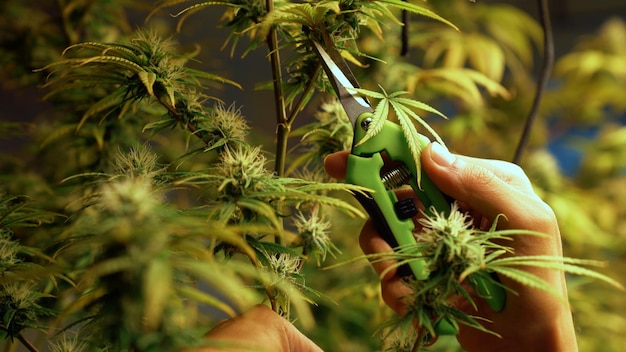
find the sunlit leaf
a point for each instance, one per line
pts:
(420, 10)
(205, 298)
(148, 79)
(568, 265)
(105, 105)
(157, 285)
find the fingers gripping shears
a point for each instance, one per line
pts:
(382, 164)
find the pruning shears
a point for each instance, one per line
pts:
(383, 163)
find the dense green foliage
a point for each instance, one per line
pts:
(141, 211)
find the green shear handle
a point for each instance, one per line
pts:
(368, 166)
(393, 217)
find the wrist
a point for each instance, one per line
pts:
(560, 335)
(550, 335)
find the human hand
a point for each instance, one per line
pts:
(531, 320)
(260, 330)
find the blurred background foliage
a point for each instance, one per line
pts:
(482, 76)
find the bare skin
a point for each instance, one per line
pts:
(531, 321)
(259, 329)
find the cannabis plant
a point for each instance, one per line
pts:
(146, 206)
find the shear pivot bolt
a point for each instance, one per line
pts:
(365, 124)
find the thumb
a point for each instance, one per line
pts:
(487, 186)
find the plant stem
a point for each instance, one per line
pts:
(190, 126)
(303, 98)
(69, 36)
(283, 126)
(282, 132)
(404, 36)
(419, 340)
(548, 61)
(282, 136)
(9, 345)
(27, 343)
(269, 292)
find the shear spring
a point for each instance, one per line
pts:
(396, 177)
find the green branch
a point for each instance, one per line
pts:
(282, 125)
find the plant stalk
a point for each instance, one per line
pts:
(27, 343)
(9, 346)
(283, 127)
(71, 39)
(548, 62)
(190, 126)
(301, 102)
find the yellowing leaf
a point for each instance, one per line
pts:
(514, 29)
(485, 56)
(107, 103)
(463, 83)
(206, 298)
(148, 79)
(157, 285)
(417, 9)
(349, 57)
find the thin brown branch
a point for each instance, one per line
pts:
(548, 62)
(404, 36)
(27, 343)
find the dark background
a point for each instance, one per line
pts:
(571, 19)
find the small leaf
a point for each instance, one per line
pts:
(419, 105)
(163, 123)
(212, 77)
(99, 135)
(349, 57)
(527, 279)
(370, 93)
(118, 61)
(568, 265)
(410, 7)
(223, 279)
(411, 135)
(206, 298)
(378, 121)
(262, 208)
(109, 102)
(148, 79)
(157, 285)
(59, 133)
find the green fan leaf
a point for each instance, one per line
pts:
(157, 286)
(411, 135)
(148, 79)
(378, 121)
(420, 10)
(568, 265)
(527, 279)
(109, 102)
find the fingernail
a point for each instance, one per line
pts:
(441, 155)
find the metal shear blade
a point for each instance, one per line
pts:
(343, 81)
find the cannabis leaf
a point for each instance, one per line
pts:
(404, 110)
(128, 73)
(417, 9)
(455, 251)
